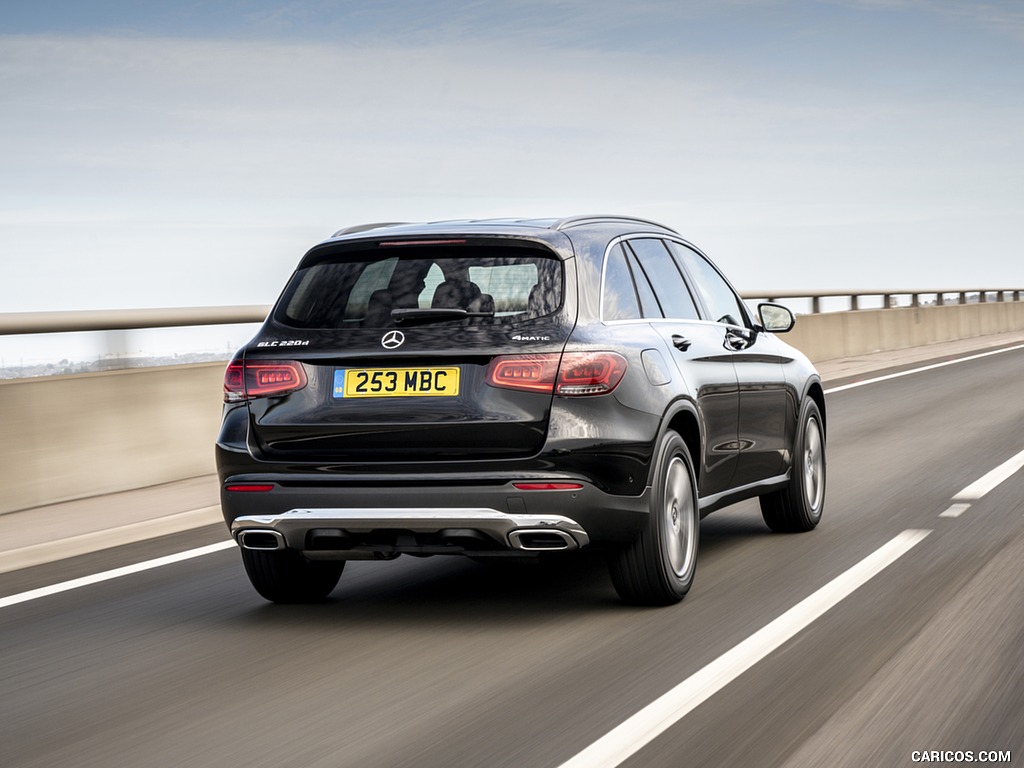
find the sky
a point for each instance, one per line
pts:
(159, 154)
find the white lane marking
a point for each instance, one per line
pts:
(955, 510)
(931, 367)
(983, 485)
(116, 573)
(628, 738)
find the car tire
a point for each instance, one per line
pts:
(658, 566)
(285, 576)
(797, 507)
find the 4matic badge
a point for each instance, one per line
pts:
(521, 337)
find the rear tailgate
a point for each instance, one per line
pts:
(400, 351)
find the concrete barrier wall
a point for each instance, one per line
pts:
(845, 334)
(67, 437)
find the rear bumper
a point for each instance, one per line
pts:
(359, 533)
(480, 515)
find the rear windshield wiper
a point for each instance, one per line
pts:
(433, 315)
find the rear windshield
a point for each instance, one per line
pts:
(359, 290)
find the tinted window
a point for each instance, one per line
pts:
(716, 294)
(649, 306)
(665, 278)
(619, 297)
(360, 289)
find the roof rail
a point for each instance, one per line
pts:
(364, 227)
(571, 221)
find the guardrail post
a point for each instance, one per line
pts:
(815, 305)
(854, 301)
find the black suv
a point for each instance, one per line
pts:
(507, 388)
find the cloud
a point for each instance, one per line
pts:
(193, 150)
(310, 119)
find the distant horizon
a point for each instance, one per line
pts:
(79, 349)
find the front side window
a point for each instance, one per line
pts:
(719, 298)
(362, 289)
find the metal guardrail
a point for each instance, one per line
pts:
(17, 323)
(14, 323)
(890, 296)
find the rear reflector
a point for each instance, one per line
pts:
(571, 374)
(548, 486)
(249, 488)
(261, 378)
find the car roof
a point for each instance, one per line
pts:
(583, 236)
(494, 226)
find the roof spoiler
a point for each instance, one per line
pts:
(365, 227)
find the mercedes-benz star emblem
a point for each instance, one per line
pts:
(392, 340)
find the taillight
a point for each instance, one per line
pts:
(530, 373)
(261, 378)
(590, 373)
(571, 374)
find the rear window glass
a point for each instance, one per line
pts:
(362, 289)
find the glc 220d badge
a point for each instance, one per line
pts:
(285, 343)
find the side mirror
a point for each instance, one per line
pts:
(775, 318)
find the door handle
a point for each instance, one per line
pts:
(681, 342)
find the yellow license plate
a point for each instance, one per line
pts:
(396, 382)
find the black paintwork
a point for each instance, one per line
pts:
(733, 391)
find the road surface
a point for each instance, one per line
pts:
(894, 629)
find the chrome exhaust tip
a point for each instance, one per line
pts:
(262, 540)
(542, 540)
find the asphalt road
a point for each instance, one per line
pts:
(443, 662)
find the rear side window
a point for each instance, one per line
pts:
(619, 297)
(649, 306)
(360, 289)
